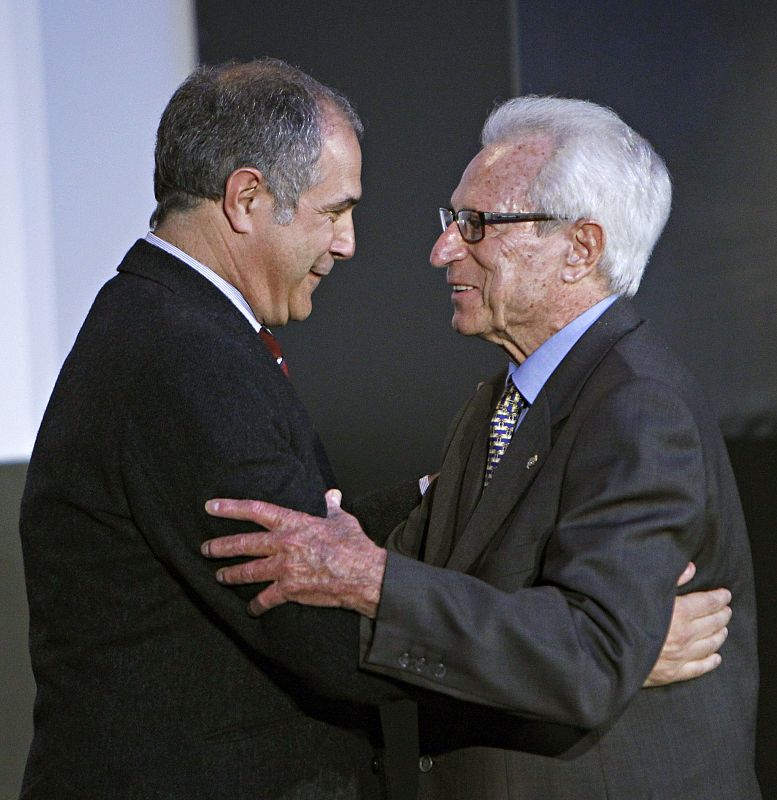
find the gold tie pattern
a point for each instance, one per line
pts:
(501, 429)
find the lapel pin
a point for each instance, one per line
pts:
(532, 461)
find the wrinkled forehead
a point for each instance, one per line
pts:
(500, 175)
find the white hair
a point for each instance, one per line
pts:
(599, 169)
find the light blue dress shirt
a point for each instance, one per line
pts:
(533, 374)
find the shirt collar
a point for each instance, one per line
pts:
(530, 376)
(226, 288)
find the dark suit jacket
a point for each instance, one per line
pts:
(153, 682)
(567, 565)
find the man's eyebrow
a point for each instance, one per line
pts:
(343, 205)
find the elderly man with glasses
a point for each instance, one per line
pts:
(538, 574)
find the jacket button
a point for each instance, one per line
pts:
(439, 670)
(404, 660)
(375, 765)
(425, 763)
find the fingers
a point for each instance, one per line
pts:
(690, 662)
(701, 604)
(699, 620)
(687, 575)
(711, 624)
(701, 646)
(698, 668)
(698, 630)
(714, 642)
(334, 498)
(695, 669)
(300, 558)
(240, 544)
(259, 570)
(265, 600)
(265, 514)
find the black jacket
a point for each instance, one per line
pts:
(153, 681)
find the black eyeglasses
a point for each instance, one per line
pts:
(472, 224)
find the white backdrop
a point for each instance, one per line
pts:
(82, 86)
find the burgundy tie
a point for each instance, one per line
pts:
(271, 343)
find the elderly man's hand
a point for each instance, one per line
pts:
(312, 560)
(697, 632)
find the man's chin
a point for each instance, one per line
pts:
(465, 327)
(301, 312)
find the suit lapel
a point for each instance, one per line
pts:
(519, 466)
(147, 261)
(461, 476)
(532, 442)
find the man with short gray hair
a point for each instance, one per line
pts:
(538, 574)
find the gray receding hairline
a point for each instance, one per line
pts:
(328, 110)
(264, 114)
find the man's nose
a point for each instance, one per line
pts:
(344, 241)
(448, 247)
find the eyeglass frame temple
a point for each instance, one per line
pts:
(493, 218)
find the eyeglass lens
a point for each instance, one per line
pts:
(469, 223)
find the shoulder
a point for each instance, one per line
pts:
(174, 340)
(646, 360)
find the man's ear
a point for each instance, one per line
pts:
(245, 198)
(586, 247)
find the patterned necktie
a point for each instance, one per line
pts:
(501, 429)
(271, 343)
